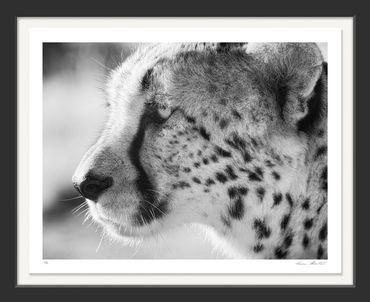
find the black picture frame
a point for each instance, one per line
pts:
(190, 9)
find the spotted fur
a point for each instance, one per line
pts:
(230, 136)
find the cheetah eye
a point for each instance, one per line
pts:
(164, 112)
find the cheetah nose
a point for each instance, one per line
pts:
(93, 185)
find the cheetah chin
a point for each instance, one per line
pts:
(230, 136)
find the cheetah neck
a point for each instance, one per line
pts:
(273, 208)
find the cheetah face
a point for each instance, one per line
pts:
(185, 123)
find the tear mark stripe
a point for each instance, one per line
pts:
(154, 205)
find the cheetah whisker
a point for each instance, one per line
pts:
(72, 198)
(100, 242)
(100, 64)
(79, 207)
(154, 207)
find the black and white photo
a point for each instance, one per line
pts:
(231, 137)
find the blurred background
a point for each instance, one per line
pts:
(73, 115)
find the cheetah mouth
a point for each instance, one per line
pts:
(121, 230)
(140, 224)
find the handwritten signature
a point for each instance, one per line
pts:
(314, 262)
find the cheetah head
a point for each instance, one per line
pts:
(192, 129)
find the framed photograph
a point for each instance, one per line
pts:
(185, 152)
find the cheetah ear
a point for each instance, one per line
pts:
(293, 72)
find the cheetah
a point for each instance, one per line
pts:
(229, 136)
